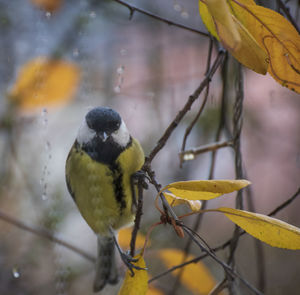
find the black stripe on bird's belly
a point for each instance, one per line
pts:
(107, 153)
(118, 184)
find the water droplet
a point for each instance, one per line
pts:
(44, 197)
(48, 15)
(75, 52)
(188, 157)
(120, 70)
(92, 14)
(184, 14)
(117, 89)
(44, 112)
(177, 7)
(16, 272)
(150, 94)
(48, 145)
(123, 52)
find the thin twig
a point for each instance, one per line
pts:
(45, 234)
(191, 126)
(237, 129)
(219, 287)
(133, 8)
(205, 148)
(226, 267)
(223, 109)
(162, 141)
(138, 216)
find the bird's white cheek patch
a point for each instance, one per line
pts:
(85, 134)
(122, 136)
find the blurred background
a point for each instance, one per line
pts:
(146, 70)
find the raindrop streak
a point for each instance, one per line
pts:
(44, 115)
(177, 7)
(48, 15)
(120, 79)
(120, 70)
(117, 89)
(184, 14)
(75, 52)
(92, 14)
(123, 52)
(15, 272)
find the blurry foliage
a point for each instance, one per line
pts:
(44, 82)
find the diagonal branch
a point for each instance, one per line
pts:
(45, 234)
(162, 141)
(133, 8)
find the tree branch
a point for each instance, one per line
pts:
(133, 8)
(162, 141)
(45, 234)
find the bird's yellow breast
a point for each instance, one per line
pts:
(103, 192)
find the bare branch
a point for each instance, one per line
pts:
(204, 148)
(45, 234)
(162, 141)
(133, 8)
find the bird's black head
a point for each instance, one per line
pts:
(103, 120)
(103, 135)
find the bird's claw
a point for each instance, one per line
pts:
(128, 261)
(139, 178)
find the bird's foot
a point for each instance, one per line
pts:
(139, 178)
(129, 262)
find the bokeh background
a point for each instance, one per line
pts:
(146, 70)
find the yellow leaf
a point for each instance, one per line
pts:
(267, 229)
(248, 52)
(224, 24)
(137, 284)
(278, 37)
(48, 5)
(175, 201)
(207, 19)
(196, 277)
(124, 238)
(205, 189)
(154, 291)
(44, 82)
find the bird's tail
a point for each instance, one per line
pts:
(106, 269)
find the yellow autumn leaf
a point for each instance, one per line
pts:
(154, 291)
(207, 18)
(175, 201)
(267, 229)
(137, 284)
(278, 37)
(195, 277)
(205, 189)
(248, 52)
(48, 5)
(124, 238)
(224, 24)
(44, 82)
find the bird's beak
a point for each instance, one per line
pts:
(102, 135)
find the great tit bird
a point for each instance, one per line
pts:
(99, 173)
